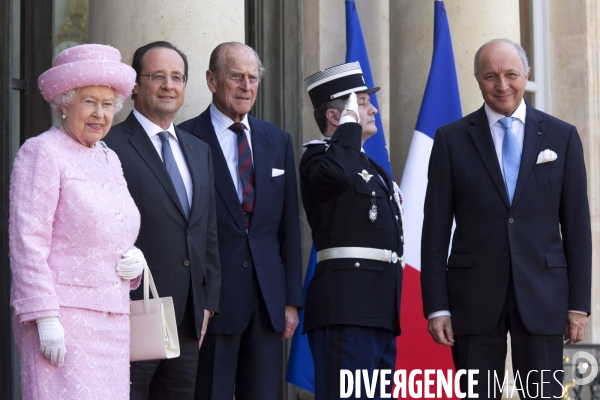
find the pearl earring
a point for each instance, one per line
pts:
(64, 116)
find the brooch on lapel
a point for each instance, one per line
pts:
(365, 175)
(106, 150)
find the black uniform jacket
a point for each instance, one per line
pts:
(338, 197)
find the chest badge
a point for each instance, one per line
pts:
(373, 213)
(365, 175)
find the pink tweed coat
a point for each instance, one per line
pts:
(71, 218)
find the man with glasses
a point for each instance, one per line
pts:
(259, 234)
(169, 174)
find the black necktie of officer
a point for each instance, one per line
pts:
(245, 170)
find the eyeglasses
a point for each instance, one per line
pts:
(159, 77)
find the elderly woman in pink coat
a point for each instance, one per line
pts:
(72, 227)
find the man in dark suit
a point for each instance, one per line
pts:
(513, 179)
(169, 174)
(354, 209)
(259, 234)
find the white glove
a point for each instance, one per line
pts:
(132, 264)
(351, 108)
(52, 340)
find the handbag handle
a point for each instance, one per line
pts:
(148, 283)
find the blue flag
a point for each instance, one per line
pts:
(356, 50)
(301, 368)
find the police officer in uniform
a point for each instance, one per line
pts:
(352, 310)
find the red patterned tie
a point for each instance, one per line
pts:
(245, 171)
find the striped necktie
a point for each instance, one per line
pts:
(245, 170)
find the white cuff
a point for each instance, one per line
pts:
(347, 118)
(438, 314)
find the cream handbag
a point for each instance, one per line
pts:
(153, 325)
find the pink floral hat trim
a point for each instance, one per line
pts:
(87, 65)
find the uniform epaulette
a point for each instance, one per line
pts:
(314, 142)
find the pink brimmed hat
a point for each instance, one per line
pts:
(87, 65)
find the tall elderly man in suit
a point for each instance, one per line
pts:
(513, 179)
(259, 235)
(170, 177)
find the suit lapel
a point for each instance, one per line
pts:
(205, 130)
(143, 145)
(263, 167)
(531, 147)
(482, 138)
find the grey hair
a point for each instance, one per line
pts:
(217, 63)
(517, 47)
(64, 99)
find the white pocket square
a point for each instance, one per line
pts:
(546, 156)
(277, 172)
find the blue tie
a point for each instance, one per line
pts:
(511, 157)
(174, 173)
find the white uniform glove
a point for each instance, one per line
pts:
(351, 108)
(52, 340)
(132, 264)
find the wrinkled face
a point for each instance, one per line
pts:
(234, 89)
(367, 112)
(89, 116)
(160, 101)
(502, 77)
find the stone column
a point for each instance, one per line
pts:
(472, 23)
(592, 23)
(195, 27)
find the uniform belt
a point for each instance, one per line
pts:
(366, 253)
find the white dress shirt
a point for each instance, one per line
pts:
(152, 130)
(228, 141)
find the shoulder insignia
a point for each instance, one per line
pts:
(313, 143)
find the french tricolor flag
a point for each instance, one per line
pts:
(440, 106)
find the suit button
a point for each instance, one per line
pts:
(505, 254)
(510, 220)
(188, 232)
(186, 263)
(402, 239)
(249, 237)
(372, 194)
(396, 218)
(245, 264)
(356, 265)
(390, 198)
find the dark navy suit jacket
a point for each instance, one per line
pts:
(544, 236)
(272, 243)
(178, 251)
